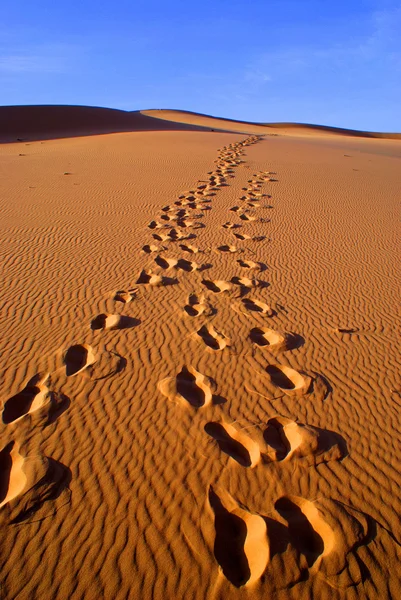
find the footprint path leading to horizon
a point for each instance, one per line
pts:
(246, 544)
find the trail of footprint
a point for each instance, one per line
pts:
(289, 439)
(188, 387)
(213, 338)
(241, 547)
(234, 443)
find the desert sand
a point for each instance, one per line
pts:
(200, 358)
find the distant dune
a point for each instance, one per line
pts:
(58, 121)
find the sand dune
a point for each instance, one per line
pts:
(200, 358)
(27, 123)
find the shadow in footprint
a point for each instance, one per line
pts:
(104, 321)
(227, 444)
(188, 388)
(231, 533)
(6, 464)
(29, 399)
(303, 537)
(279, 378)
(77, 358)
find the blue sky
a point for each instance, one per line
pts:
(314, 61)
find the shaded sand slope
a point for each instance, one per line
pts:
(47, 122)
(200, 359)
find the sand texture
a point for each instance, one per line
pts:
(200, 362)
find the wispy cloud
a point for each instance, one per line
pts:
(53, 58)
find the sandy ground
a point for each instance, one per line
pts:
(200, 366)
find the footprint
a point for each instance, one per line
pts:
(254, 305)
(309, 533)
(234, 443)
(189, 248)
(189, 266)
(188, 387)
(241, 545)
(245, 217)
(12, 476)
(213, 338)
(174, 235)
(77, 358)
(197, 306)
(148, 249)
(242, 236)
(106, 321)
(165, 263)
(148, 278)
(295, 440)
(217, 286)
(288, 380)
(156, 225)
(245, 282)
(227, 248)
(273, 340)
(230, 225)
(252, 265)
(160, 237)
(35, 395)
(125, 296)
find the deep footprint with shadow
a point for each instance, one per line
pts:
(12, 476)
(236, 444)
(241, 546)
(125, 296)
(289, 380)
(188, 387)
(277, 341)
(290, 439)
(30, 399)
(217, 286)
(257, 306)
(77, 358)
(106, 321)
(213, 338)
(197, 306)
(148, 278)
(302, 533)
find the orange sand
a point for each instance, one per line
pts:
(200, 358)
